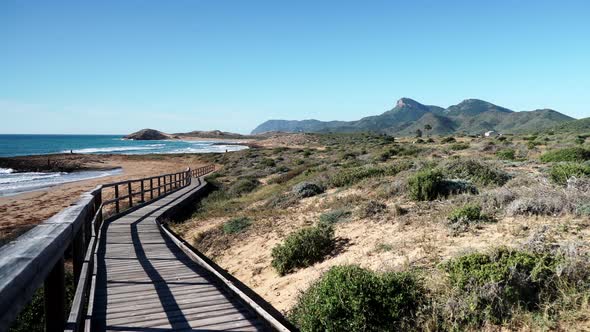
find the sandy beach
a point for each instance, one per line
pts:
(21, 212)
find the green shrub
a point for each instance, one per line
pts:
(268, 162)
(449, 139)
(236, 225)
(583, 210)
(243, 186)
(406, 150)
(426, 185)
(469, 212)
(532, 144)
(494, 285)
(350, 298)
(351, 176)
(460, 219)
(334, 216)
(567, 154)
(506, 154)
(303, 248)
(285, 177)
(476, 171)
(459, 146)
(307, 189)
(560, 173)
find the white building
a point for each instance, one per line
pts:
(491, 133)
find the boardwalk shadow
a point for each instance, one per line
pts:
(171, 308)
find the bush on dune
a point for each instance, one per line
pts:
(476, 171)
(567, 154)
(335, 216)
(426, 185)
(307, 189)
(351, 176)
(350, 298)
(236, 225)
(303, 248)
(243, 186)
(560, 173)
(492, 287)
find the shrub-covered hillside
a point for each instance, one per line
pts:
(368, 232)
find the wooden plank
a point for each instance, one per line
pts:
(144, 281)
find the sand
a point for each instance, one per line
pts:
(21, 212)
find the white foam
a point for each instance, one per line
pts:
(110, 149)
(6, 170)
(12, 184)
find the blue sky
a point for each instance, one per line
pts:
(119, 66)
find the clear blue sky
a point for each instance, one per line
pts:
(118, 66)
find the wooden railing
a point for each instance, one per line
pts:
(37, 257)
(155, 186)
(198, 172)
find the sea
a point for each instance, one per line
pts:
(13, 182)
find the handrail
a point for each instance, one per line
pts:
(37, 257)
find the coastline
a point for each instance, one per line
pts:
(21, 212)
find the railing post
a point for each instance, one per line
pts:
(142, 192)
(78, 252)
(117, 207)
(98, 204)
(151, 188)
(55, 298)
(130, 192)
(159, 187)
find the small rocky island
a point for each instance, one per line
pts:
(148, 135)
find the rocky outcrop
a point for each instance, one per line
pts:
(148, 135)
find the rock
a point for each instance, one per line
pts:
(147, 134)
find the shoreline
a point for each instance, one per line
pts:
(23, 211)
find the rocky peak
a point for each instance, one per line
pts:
(407, 102)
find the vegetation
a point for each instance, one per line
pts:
(375, 193)
(567, 154)
(303, 248)
(307, 189)
(426, 185)
(476, 171)
(349, 298)
(497, 285)
(560, 173)
(334, 216)
(32, 317)
(236, 225)
(506, 154)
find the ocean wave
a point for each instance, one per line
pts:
(16, 183)
(28, 177)
(111, 149)
(6, 170)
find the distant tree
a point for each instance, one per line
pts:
(418, 133)
(428, 128)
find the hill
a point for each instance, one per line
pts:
(576, 126)
(471, 116)
(147, 134)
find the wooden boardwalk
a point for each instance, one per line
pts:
(144, 282)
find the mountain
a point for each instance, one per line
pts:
(576, 126)
(472, 116)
